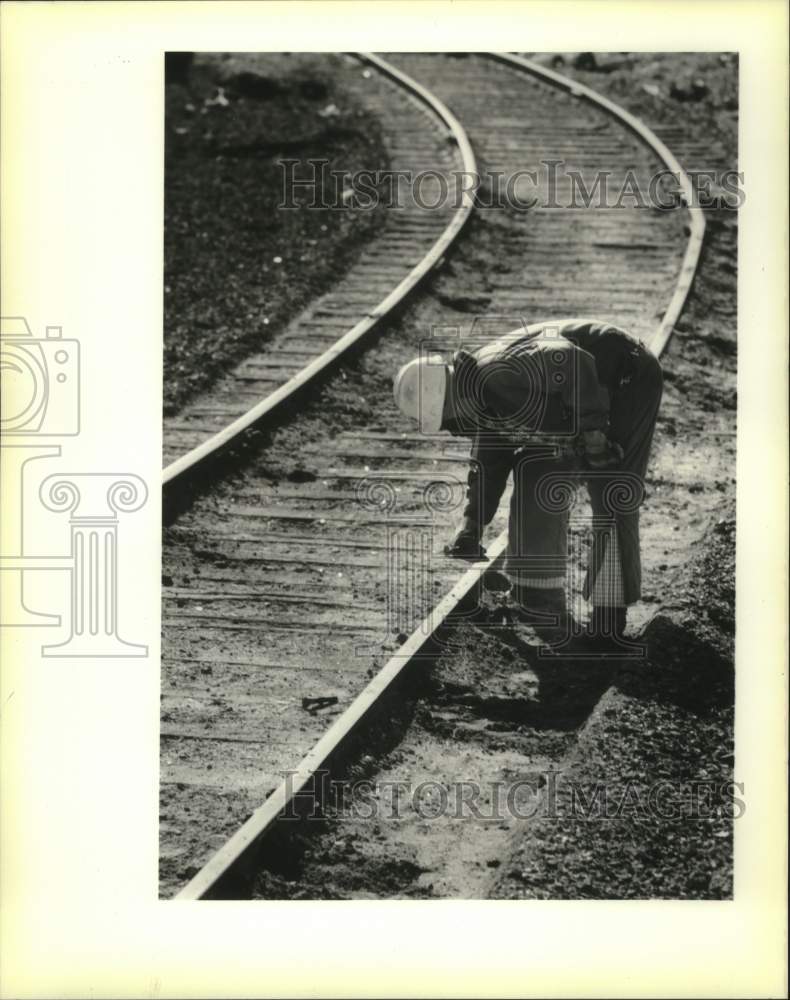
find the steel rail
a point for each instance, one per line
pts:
(688, 268)
(208, 882)
(187, 463)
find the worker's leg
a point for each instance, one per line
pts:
(537, 536)
(615, 575)
(614, 565)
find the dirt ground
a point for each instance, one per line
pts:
(493, 792)
(693, 92)
(495, 714)
(238, 267)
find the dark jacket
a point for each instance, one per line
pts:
(545, 385)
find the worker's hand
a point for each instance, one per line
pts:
(466, 544)
(600, 452)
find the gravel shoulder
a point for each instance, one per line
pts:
(238, 267)
(643, 806)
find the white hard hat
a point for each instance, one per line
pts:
(420, 388)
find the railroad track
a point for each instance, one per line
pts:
(285, 626)
(418, 131)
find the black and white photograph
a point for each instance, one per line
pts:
(394, 490)
(450, 364)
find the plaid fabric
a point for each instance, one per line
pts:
(607, 588)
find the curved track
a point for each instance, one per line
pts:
(412, 243)
(292, 556)
(272, 573)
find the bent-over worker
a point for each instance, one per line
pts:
(573, 398)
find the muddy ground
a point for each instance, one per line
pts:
(494, 714)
